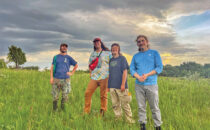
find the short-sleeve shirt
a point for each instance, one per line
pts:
(116, 68)
(102, 69)
(63, 63)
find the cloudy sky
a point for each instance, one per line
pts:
(179, 30)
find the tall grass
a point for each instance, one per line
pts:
(26, 103)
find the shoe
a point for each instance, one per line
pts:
(102, 112)
(55, 105)
(158, 128)
(142, 126)
(63, 104)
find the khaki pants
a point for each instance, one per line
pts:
(93, 84)
(121, 100)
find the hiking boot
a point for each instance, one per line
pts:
(142, 126)
(55, 105)
(158, 128)
(102, 112)
(63, 104)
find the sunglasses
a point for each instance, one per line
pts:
(139, 41)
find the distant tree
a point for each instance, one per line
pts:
(2, 63)
(31, 68)
(190, 66)
(206, 71)
(170, 71)
(206, 66)
(16, 55)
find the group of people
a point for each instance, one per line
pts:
(110, 73)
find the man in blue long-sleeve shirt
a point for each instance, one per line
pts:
(145, 67)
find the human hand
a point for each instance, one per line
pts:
(51, 80)
(141, 79)
(69, 73)
(145, 76)
(122, 88)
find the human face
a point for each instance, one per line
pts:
(63, 49)
(115, 51)
(142, 43)
(97, 44)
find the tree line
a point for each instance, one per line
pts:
(186, 69)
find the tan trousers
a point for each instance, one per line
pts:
(121, 100)
(93, 84)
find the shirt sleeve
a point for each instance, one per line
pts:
(158, 63)
(124, 64)
(132, 66)
(72, 61)
(53, 62)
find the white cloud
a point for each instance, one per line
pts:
(44, 58)
(39, 26)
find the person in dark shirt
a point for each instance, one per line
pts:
(60, 75)
(117, 84)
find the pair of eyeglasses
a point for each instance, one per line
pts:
(140, 41)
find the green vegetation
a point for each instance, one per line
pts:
(16, 55)
(187, 69)
(3, 64)
(26, 103)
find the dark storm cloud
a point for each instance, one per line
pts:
(39, 25)
(163, 43)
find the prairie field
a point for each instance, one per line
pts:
(26, 104)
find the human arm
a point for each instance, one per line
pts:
(124, 78)
(73, 71)
(133, 71)
(158, 66)
(51, 74)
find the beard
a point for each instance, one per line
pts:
(141, 49)
(62, 51)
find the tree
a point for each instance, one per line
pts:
(16, 55)
(2, 63)
(31, 67)
(191, 66)
(206, 66)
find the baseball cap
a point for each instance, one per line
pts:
(64, 44)
(97, 39)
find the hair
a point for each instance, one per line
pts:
(145, 37)
(64, 44)
(116, 44)
(104, 48)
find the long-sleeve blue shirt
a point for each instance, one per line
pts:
(145, 62)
